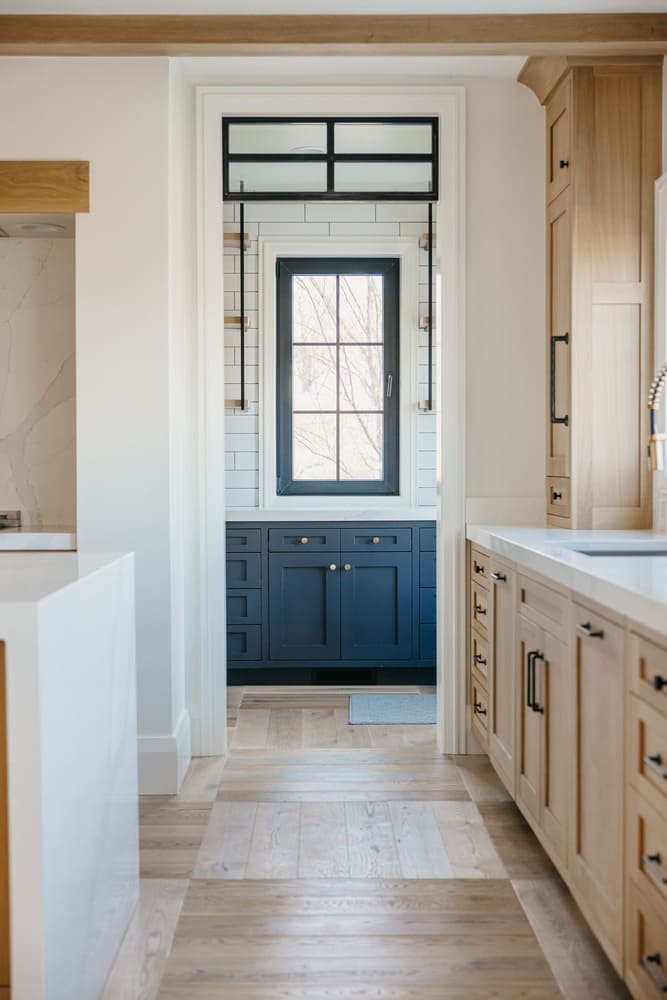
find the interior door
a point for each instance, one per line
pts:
(304, 606)
(376, 605)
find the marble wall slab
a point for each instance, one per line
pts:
(37, 380)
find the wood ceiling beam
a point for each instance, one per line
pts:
(36, 186)
(228, 34)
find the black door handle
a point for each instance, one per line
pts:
(529, 678)
(536, 707)
(565, 339)
(659, 682)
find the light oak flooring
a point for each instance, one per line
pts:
(321, 860)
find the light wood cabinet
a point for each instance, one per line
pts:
(597, 794)
(502, 671)
(603, 138)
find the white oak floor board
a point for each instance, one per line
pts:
(251, 730)
(371, 843)
(285, 728)
(323, 848)
(202, 779)
(226, 844)
(420, 849)
(480, 779)
(274, 846)
(468, 846)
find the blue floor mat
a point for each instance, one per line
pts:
(393, 709)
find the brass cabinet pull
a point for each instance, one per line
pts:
(347, 567)
(333, 567)
(653, 863)
(653, 966)
(304, 540)
(376, 540)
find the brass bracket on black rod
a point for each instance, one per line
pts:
(242, 297)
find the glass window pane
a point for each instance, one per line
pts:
(314, 446)
(361, 446)
(314, 308)
(361, 378)
(288, 177)
(361, 307)
(278, 137)
(314, 378)
(365, 137)
(363, 177)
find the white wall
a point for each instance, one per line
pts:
(114, 112)
(37, 401)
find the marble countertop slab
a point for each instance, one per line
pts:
(37, 539)
(632, 586)
(31, 577)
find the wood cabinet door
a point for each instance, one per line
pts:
(529, 743)
(559, 336)
(597, 794)
(501, 684)
(376, 605)
(558, 140)
(304, 606)
(552, 696)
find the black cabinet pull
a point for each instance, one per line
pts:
(499, 577)
(590, 633)
(564, 163)
(659, 682)
(565, 339)
(536, 707)
(478, 708)
(653, 966)
(479, 610)
(529, 678)
(654, 763)
(653, 863)
(556, 496)
(480, 659)
(478, 568)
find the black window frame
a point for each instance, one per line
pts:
(390, 268)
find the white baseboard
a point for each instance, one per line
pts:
(528, 512)
(163, 760)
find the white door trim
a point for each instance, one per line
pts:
(208, 680)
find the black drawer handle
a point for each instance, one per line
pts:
(590, 633)
(654, 763)
(653, 966)
(565, 339)
(556, 496)
(563, 164)
(479, 610)
(480, 659)
(499, 577)
(659, 682)
(654, 864)
(479, 710)
(529, 677)
(479, 568)
(536, 707)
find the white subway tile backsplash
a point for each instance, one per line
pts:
(398, 212)
(242, 479)
(247, 460)
(427, 497)
(242, 424)
(241, 442)
(241, 499)
(230, 460)
(425, 460)
(294, 229)
(275, 212)
(364, 229)
(324, 211)
(426, 442)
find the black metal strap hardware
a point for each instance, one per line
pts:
(242, 299)
(590, 633)
(479, 609)
(653, 863)
(480, 659)
(564, 163)
(659, 682)
(653, 966)
(536, 707)
(654, 763)
(430, 306)
(565, 339)
(478, 708)
(499, 577)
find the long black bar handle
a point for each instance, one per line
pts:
(565, 339)
(430, 305)
(530, 662)
(536, 707)
(242, 296)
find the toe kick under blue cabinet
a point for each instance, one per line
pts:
(331, 603)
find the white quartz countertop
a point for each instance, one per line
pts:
(37, 539)
(346, 514)
(631, 585)
(30, 577)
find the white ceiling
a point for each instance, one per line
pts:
(327, 6)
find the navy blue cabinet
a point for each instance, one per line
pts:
(322, 602)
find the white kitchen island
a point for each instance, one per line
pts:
(67, 639)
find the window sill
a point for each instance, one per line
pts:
(368, 513)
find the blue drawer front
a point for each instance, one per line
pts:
(243, 540)
(308, 538)
(376, 539)
(427, 642)
(427, 569)
(244, 642)
(427, 605)
(243, 571)
(244, 607)
(427, 539)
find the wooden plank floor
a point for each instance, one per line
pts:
(322, 860)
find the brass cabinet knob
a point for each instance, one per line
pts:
(376, 540)
(333, 567)
(347, 567)
(304, 540)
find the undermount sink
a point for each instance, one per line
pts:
(628, 549)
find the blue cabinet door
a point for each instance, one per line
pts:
(376, 605)
(304, 607)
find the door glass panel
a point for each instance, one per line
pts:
(278, 137)
(368, 176)
(314, 446)
(314, 377)
(361, 446)
(278, 177)
(366, 137)
(314, 308)
(360, 307)
(361, 377)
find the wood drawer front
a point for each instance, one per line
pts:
(543, 606)
(648, 672)
(558, 496)
(648, 753)
(479, 656)
(558, 141)
(479, 567)
(646, 947)
(647, 847)
(479, 607)
(376, 539)
(307, 538)
(479, 701)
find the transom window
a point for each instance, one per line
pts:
(338, 381)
